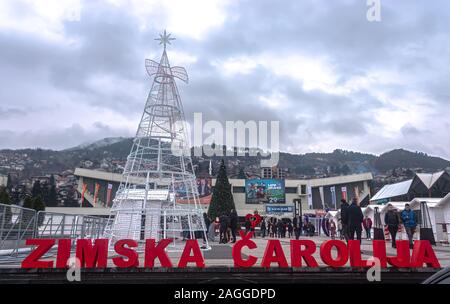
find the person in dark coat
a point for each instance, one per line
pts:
(290, 229)
(305, 228)
(234, 219)
(263, 228)
(310, 229)
(297, 226)
(248, 226)
(391, 219)
(274, 228)
(280, 226)
(224, 223)
(207, 224)
(344, 218)
(354, 220)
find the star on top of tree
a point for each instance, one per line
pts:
(164, 39)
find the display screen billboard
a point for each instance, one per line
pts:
(264, 191)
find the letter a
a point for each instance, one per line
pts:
(374, 11)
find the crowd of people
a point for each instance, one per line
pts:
(350, 225)
(352, 222)
(229, 225)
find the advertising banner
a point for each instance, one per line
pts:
(204, 188)
(264, 191)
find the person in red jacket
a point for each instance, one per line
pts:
(367, 223)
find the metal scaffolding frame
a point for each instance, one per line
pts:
(159, 183)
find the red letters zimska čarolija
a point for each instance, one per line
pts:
(95, 255)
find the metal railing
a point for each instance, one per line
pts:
(17, 224)
(61, 225)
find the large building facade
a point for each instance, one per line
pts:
(313, 194)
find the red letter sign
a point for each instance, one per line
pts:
(197, 258)
(297, 254)
(133, 258)
(64, 246)
(32, 260)
(342, 253)
(274, 246)
(152, 252)
(92, 256)
(354, 251)
(237, 247)
(424, 253)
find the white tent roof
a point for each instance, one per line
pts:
(333, 214)
(368, 209)
(432, 202)
(392, 190)
(429, 178)
(445, 200)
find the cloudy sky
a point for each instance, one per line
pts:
(73, 71)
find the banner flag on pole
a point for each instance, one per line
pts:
(322, 198)
(357, 193)
(310, 202)
(108, 194)
(83, 190)
(344, 192)
(97, 188)
(333, 196)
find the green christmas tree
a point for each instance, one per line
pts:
(6, 200)
(28, 202)
(4, 196)
(222, 198)
(39, 205)
(241, 174)
(52, 195)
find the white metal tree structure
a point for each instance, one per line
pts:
(158, 196)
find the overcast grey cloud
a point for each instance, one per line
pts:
(73, 71)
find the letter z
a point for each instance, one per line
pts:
(32, 260)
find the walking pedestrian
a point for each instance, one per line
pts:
(332, 229)
(344, 218)
(354, 219)
(367, 223)
(263, 228)
(234, 219)
(297, 226)
(280, 226)
(392, 221)
(207, 223)
(223, 228)
(290, 229)
(339, 226)
(409, 221)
